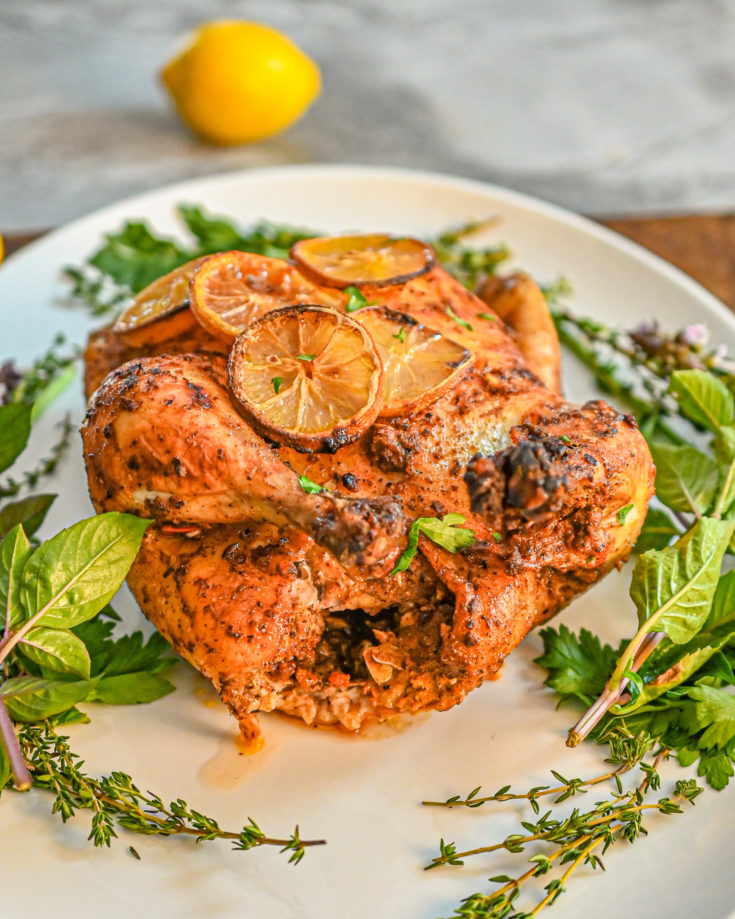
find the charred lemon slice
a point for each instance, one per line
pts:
(160, 310)
(419, 364)
(373, 260)
(306, 376)
(231, 289)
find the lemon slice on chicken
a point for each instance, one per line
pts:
(306, 376)
(419, 363)
(160, 311)
(231, 289)
(374, 259)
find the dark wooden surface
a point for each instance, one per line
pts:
(703, 246)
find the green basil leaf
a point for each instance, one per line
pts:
(57, 650)
(723, 604)
(15, 550)
(71, 716)
(686, 479)
(658, 531)
(74, 574)
(717, 667)
(672, 664)
(703, 398)
(15, 424)
(673, 588)
(131, 688)
(30, 698)
(29, 511)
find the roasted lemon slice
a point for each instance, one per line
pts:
(306, 376)
(373, 259)
(231, 289)
(159, 311)
(419, 364)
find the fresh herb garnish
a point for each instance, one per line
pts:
(276, 381)
(467, 263)
(132, 258)
(117, 802)
(357, 300)
(445, 533)
(57, 648)
(458, 319)
(306, 357)
(557, 290)
(401, 335)
(488, 316)
(310, 487)
(498, 537)
(670, 692)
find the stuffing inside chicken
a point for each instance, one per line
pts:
(285, 599)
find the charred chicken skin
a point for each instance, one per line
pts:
(283, 599)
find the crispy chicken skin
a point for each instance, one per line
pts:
(284, 600)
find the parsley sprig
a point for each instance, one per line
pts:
(446, 532)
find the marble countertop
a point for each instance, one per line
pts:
(607, 107)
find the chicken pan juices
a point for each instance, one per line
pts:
(365, 481)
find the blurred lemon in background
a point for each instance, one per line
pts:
(238, 82)
(2, 247)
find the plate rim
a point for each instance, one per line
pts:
(517, 199)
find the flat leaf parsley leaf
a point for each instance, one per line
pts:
(578, 665)
(444, 533)
(311, 488)
(357, 300)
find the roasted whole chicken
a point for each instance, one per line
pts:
(284, 597)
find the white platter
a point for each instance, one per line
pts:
(361, 794)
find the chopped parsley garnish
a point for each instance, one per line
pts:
(497, 537)
(444, 533)
(306, 357)
(458, 319)
(623, 513)
(311, 488)
(566, 439)
(401, 334)
(357, 300)
(276, 381)
(487, 316)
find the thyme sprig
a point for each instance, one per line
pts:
(567, 788)
(115, 800)
(468, 263)
(571, 840)
(46, 466)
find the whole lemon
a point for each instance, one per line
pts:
(238, 82)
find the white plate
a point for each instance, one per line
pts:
(361, 794)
